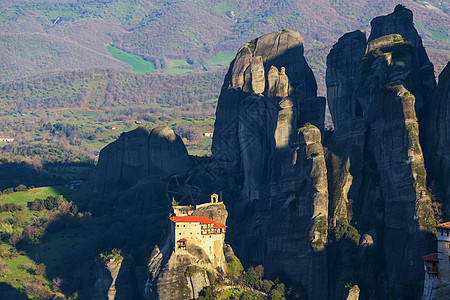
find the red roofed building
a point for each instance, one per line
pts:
(200, 231)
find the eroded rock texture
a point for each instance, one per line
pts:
(271, 136)
(271, 66)
(158, 153)
(378, 177)
(438, 135)
(342, 65)
(116, 279)
(401, 22)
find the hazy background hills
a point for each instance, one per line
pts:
(49, 35)
(102, 66)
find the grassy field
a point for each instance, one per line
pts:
(201, 148)
(21, 198)
(139, 64)
(178, 66)
(223, 58)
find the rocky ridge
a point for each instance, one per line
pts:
(157, 153)
(438, 135)
(269, 126)
(327, 209)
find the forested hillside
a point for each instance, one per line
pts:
(48, 35)
(104, 67)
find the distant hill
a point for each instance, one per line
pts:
(182, 36)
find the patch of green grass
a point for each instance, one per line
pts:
(21, 198)
(139, 64)
(86, 113)
(224, 7)
(178, 66)
(201, 148)
(223, 58)
(16, 266)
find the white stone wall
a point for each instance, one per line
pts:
(188, 230)
(442, 235)
(429, 283)
(444, 259)
(212, 244)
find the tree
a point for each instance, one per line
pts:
(21, 188)
(250, 277)
(267, 286)
(4, 270)
(260, 271)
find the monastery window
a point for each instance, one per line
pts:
(180, 233)
(184, 225)
(178, 225)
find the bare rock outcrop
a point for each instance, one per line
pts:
(377, 175)
(271, 140)
(401, 22)
(408, 214)
(272, 66)
(290, 231)
(116, 279)
(158, 153)
(342, 65)
(438, 135)
(346, 161)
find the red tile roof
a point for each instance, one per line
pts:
(196, 219)
(444, 225)
(430, 257)
(183, 240)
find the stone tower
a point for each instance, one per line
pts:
(443, 247)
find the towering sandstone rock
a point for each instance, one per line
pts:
(271, 66)
(269, 126)
(355, 212)
(438, 135)
(342, 66)
(377, 166)
(158, 153)
(401, 22)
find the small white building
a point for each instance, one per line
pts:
(200, 231)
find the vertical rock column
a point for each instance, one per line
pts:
(342, 65)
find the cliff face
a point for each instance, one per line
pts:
(342, 65)
(268, 128)
(116, 280)
(378, 176)
(271, 66)
(373, 185)
(438, 135)
(158, 153)
(401, 22)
